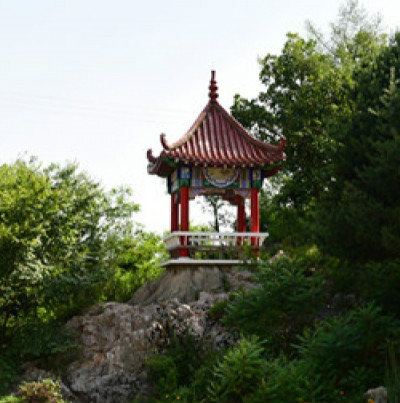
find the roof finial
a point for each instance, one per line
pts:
(213, 94)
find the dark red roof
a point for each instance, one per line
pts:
(215, 139)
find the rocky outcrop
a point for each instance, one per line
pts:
(117, 339)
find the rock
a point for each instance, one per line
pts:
(34, 374)
(117, 339)
(378, 395)
(187, 283)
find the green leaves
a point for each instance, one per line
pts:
(58, 231)
(278, 310)
(239, 372)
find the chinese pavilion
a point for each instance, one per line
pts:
(217, 156)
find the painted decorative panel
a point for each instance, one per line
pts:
(245, 180)
(197, 178)
(220, 177)
(174, 182)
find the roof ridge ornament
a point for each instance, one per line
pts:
(213, 94)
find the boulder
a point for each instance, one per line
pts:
(117, 339)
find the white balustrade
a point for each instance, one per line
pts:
(221, 242)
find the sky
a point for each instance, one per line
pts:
(97, 82)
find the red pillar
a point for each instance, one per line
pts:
(241, 217)
(184, 216)
(255, 213)
(174, 213)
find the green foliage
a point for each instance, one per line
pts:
(238, 373)
(138, 260)
(163, 374)
(8, 371)
(214, 205)
(50, 342)
(218, 310)
(44, 391)
(337, 102)
(380, 282)
(10, 399)
(392, 374)
(183, 369)
(55, 228)
(284, 381)
(290, 293)
(65, 244)
(348, 350)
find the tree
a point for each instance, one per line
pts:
(56, 240)
(314, 91)
(366, 221)
(214, 205)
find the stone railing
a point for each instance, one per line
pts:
(217, 245)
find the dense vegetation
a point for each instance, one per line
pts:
(324, 323)
(65, 244)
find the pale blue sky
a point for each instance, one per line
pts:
(98, 81)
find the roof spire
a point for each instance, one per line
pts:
(213, 94)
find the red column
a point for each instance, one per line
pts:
(184, 216)
(255, 213)
(174, 213)
(241, 217)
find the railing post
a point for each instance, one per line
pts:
(184, 219)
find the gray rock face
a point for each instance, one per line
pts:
(118, 338)
(186, 284)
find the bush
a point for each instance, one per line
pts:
(10, 399)
(8, 372)
(392, 373)
(239, 372)
(163, 374)
(287, 381)
(348, 351)
(380, 282)
(289, 295)
(44, 391)
(184, 370)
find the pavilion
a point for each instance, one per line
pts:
(217, 156)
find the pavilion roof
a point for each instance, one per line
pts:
(215, 139)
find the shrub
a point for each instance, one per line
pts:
(392, 373)
(348, 350)
(8, 371)
(44, 391)
(10, 399)
(380, 282)
(218, 310)
(239, 372)
(163, 374)
(184, 364)
(285, 303)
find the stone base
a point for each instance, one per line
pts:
(185, 284)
